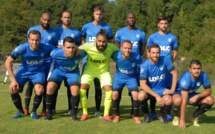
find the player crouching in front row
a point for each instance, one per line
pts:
(152, 81)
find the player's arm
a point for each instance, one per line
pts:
(111, 40)
(117, 44)
(145, 87)
(184, 95)
(14, 85)
(204, 94)
(174, 80)
(142, 48)
(175, 54)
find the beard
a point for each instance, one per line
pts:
(45, 27)
(101, 49)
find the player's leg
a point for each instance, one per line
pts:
(68, 96)
(106, 82)
(204, 104)
(176, 104)
(28, 95)
(86, 80)
(21, 78)
(54, 82)
(167, 99)
(142, 99)
(38, 80)
(98, 97)
(152, 107)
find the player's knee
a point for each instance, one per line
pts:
(167, 99)
(115, 95)
(177, 100)
(142, 95)
(50, 88)
(134, 95)
(209, 100)
(39, 91)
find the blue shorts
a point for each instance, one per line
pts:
(160, 91)
(36, 77)
(119, 83)
(73, 78)
(190, 96)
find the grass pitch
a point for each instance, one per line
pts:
(62, 122)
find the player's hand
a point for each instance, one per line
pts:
(182, 124)
(167, 91)
(193, 99)
(14, 87)
(160, 101)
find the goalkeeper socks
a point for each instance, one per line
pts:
(108, 101)
(83, 100)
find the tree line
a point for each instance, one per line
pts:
(193, 21)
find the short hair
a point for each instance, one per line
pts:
(102, 32)
(67, 11)
(7, 54)
(154, 46)
(68, 39)
(34, 32)
(127, 41)
(130, 13)
(160, 18)
(98, 8)
(195, 61)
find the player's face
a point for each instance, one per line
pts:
(154, 55)
(126, 49)
(69, 49)
(195, 70)
(66, 18)
(101, 43)
(163, 25)
(131, 19)
(45, 21)
(34, 40)
(98, 15)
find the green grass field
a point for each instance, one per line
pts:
(62, 122)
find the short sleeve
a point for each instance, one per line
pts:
(114, 56)
(83, 32)
(169, 64)
(144, 72)
(113, 47)
(18, 51)
(206, 82)
(143, 39)
(118, 37)
(175, 43)
(150, 41)
(184, 84)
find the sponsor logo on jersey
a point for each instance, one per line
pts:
(183, 83)
(165, 48)
(92, 39)
(169, 39)
(69, 68)
(135, 44)
(198, 84)
(36, 62)
(156, 78)
(60, 42)
(126, 71)
(98, 61)
(49, 37)
(137, 35)
(161, 68)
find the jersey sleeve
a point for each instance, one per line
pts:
(114, 56)
(110, 33)
(144, 72)
(143, 39)
(150, 41)
(83, 32)
(55, 41)
(206, 82)
(85, 47)
(78, 38)
(114, 48)
(169, 64)
(82, 54)
(118, 37)
(184, 83)
(175, 43)
(20, 50)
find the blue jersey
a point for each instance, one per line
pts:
(167, 43)
(90, 31)
(126, 68)
(66, 64)
(186, 83)
(48, 37)
(62, 33)
(155, 73)
(32, 61)
(136, 36)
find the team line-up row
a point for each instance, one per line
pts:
(157, 75)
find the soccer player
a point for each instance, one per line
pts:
(97, 66)
(89, 32)
(169, 48)
(188, 84)
(48, 37)
(33, 54)
(136, 36)
(6, 74)
(66, 66)
(126, 62)
(63, 31)
(152, 81)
